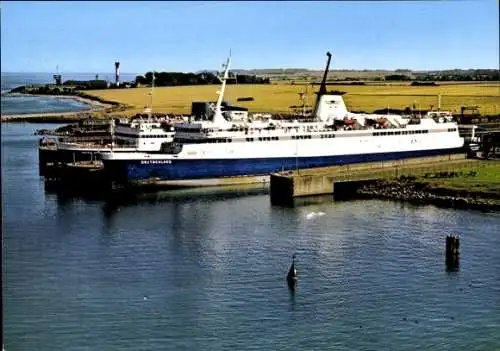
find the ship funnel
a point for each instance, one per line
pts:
(330, 107)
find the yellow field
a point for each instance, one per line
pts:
(277, 98)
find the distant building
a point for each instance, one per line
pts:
(57, 79)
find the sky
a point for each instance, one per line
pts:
(37, 36)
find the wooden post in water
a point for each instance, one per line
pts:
(452, 252)
(292, 276)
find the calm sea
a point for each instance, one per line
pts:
(15, 104)
(205, 270)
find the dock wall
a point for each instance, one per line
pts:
(286, 186)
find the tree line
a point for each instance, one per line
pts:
(448, 75)
(204, 78)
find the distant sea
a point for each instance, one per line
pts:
(19, 104)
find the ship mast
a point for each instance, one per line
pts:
(150, 110)
(218, 118)
(322, 89)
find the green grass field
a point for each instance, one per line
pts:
(487, 178)
(277, 98)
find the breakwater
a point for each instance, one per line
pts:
(49, 117)
(418, 191)
(455, 182)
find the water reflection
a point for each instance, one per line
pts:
(119, 198)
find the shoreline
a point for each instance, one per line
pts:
(424, 193)
(94, 106)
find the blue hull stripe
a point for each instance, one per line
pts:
(129, 171)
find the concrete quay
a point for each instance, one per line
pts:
(286, 186)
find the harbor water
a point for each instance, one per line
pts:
(206, 270)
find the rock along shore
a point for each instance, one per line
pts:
(410, 190)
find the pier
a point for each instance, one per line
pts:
(286, 186)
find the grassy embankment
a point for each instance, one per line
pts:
(476, 185)
(277, 98)
(486, 180)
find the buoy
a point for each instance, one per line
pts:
(292, 276)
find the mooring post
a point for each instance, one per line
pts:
(292, 276)
(452, 252)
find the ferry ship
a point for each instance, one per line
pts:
(224, 149)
